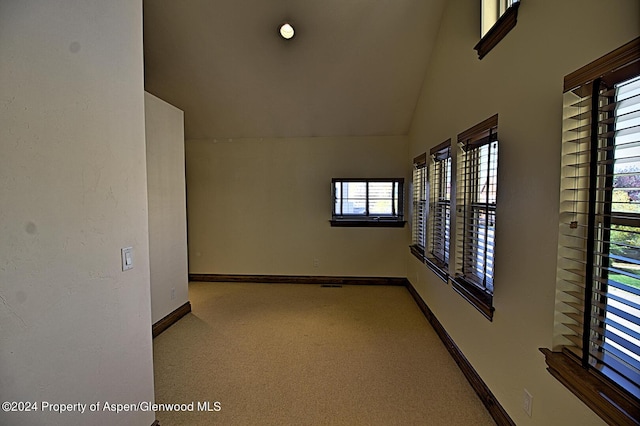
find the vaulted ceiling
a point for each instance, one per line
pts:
(354, 67)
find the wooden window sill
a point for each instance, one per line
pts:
(438, 268)
(367, 223)
(500, 29)
(611, 403)
(479, 299)
(418, 252)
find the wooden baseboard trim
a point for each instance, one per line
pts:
(484, 393)
(170, 319)
(486, 396)
(299, 279)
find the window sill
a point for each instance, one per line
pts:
(480, 300)
(612, 404)
(500, 29)
(439, 268)
(418, 252)
(368, 223)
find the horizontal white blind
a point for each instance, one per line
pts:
(599, 247)
(477, 196)
(440, 203)
(574, 215)
(419, 220)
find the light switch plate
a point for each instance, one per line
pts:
(527, 403)
(127, 258)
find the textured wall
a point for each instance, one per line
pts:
(521, 80)
(167, 206)
(262, 206)
(74, 328)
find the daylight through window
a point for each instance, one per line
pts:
(492, 10)
(440, 208)
(599, 239)
(419, 218)
(497, 19)
(367, 202)
(605, 214)
(477, 188)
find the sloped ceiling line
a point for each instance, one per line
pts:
(354, 68)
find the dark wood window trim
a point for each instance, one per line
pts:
(418, 253)
(438, 153)
(441, 148)
(439, 268)
(500, 29)
(479, 299)
(606, 66)
(419, 164)
(370, 223)
(481, 134)
(605, 398)
(368, 220)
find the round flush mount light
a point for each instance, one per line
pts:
(286, 31)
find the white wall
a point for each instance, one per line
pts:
(74, 328)
(522, 80)
(262, 206)
(167, 206)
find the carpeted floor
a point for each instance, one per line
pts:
(283, 354)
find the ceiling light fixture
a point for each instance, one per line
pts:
(286, 31)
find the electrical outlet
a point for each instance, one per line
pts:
(316, 263)
(527, 402)
(173, 293)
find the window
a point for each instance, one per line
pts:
(367, 202)
(477, 184)
(492, 10)
(599, 240)
(440, 209)
(498, 17)
(419, 218)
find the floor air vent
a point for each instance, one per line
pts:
(331, 285)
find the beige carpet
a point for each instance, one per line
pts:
(283, 354)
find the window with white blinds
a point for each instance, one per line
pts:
(368, 202)
(600, 236)
(599, 239)
(440, 208)
(477, 187)
(419, 214)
